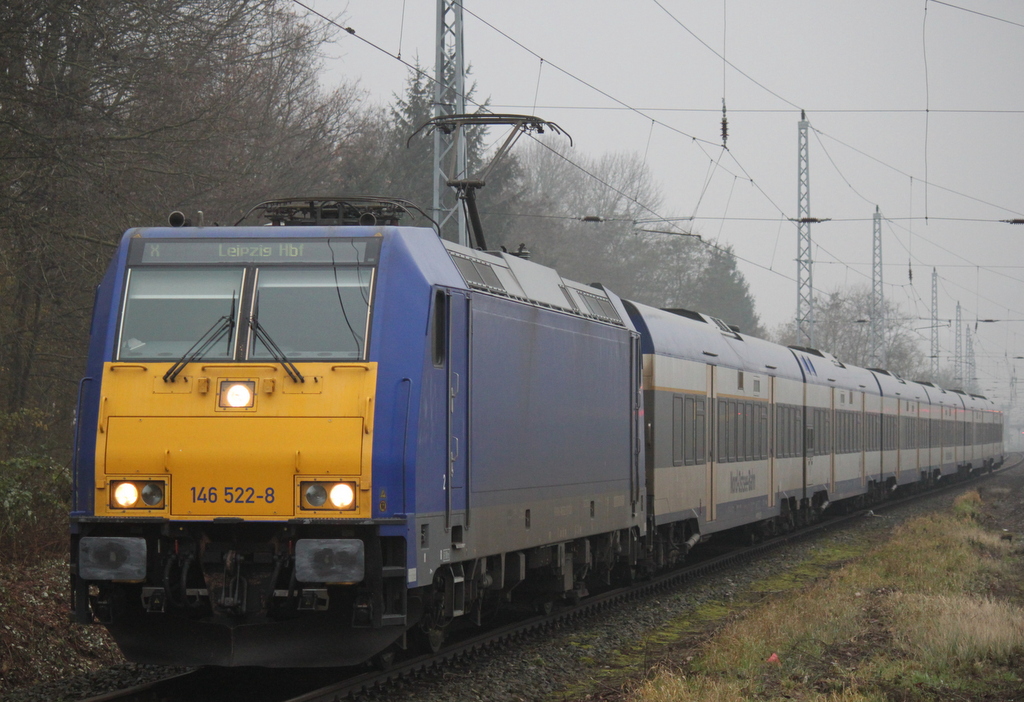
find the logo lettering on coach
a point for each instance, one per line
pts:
(740, 482)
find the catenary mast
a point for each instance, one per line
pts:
(935, 324)
(804, 281)
(877, 295)
(449, 99)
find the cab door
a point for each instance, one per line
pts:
(459, 359)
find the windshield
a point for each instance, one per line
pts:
(168, 309)
(313, 313)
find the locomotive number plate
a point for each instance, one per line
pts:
(232, 495)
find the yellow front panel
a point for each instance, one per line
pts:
(245, 462)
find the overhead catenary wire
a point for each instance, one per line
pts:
(742, 173)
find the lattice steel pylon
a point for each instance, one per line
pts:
(449, 99)
(958, 354)
(877, 295)
(935, 324)
(969, 370)
(804, 278)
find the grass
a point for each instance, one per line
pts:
(909, 620)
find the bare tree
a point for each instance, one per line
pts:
(561, 188)
(113, 113)
(842, 328)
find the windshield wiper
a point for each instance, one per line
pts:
(275, 350)
(199, 349)
(222, 326)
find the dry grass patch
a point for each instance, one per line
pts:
(910, 621)
(956, 630)
(800, 627)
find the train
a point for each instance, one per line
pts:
(326, 437)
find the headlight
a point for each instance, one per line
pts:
(343, 496)
(237, 394)
(137, 494)
(316, 495)
(126, 495)
(326, 495)
(152, 494)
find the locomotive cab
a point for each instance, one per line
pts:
(225, 445)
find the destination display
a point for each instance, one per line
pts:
(183, 251)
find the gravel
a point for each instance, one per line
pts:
(595, 658)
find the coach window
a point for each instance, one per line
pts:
(742, 437)
(677, 430)
(779, 426)
(700, 429)
(755, 413)
(723, 430)
(796, 436)
(688, 431)
(751, 433)
(785, 431)
(738, 437)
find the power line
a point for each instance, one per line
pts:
(724, 60)
(770, 110)
(908, 175)
(701, 144)
(975, 12)
(581, 81)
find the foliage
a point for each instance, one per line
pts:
(112, 114)
(394, 156)
(663, 270)
(34, 503)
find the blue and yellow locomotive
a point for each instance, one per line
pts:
(309, 444)
(275, 432)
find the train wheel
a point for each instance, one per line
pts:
(428, 640)
(385, 659)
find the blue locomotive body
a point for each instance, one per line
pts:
(486, 437)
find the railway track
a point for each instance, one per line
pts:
(334, 685)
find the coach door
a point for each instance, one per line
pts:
(456, 480)
(771, 429)
(715, 442)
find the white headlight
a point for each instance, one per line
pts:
(342, 495)
(126, 495)
(238, 395)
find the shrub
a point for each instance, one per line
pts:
(35, 496)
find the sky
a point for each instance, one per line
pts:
(916, 107)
